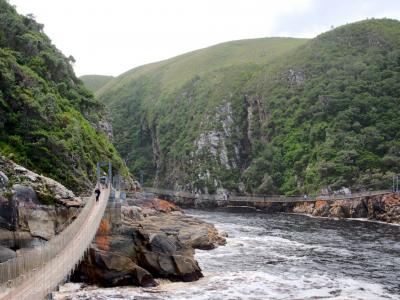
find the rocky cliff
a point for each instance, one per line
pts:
(385, 208)
(156, 240)
(33, 208)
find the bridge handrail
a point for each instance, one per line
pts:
(354, 195)
(264, 198)
(15, 271)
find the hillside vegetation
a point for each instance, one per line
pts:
(48, 119)
(95, 82)
(274, 115)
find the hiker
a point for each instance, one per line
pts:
(97, 192)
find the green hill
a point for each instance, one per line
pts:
(272, 115)
(48, 119)
(176, 71)
(95, 82)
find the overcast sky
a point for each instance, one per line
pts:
(110, 37)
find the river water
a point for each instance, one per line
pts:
(282, 256)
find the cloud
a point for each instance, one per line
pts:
(321, 15)
(111, 37)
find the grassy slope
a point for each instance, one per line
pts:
(301, 115)
(174, 72)
(134, 96)
(47, 117)
(95, 82)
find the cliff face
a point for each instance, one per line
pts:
(155, 240)
(33, 208)
(49, 121)
(379, 208)
(283, 116)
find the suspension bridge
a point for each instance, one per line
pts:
(36, 272)
(250, 200)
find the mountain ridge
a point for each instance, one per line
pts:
(275, 126)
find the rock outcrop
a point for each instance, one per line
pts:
(384, 208)
(156, 240)
(33, 208)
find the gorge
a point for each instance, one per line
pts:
(271, 116)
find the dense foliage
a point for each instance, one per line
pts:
(268, 115)
(47, 116)
(95, 82)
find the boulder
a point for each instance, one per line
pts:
(162, 243)
(115, 270)
(6, 254)
(358, 209)
(386, 209)
(7, 238)
(8, 214)
(376, 207)
(18, 239)
(70, 202)
(20, 169)
(303, 208)
(154, 239)
(187, 268)
(131, 212)
(338, 211)
(41, 223)
(25, 195)
(3, 180)
(199, 237)
(321, 208)
(164, 206)
(167, 265)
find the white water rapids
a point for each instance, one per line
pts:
(281, 256)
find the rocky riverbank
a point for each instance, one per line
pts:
(33, 209)
(382, 207)
(155, 240)
(385, 208)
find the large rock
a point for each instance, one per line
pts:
(187, 268)
(6, 254)
(201, 237)
(358, 209)
(19, 239)
(131, 212)
(8, 214)
(304, 208)
(7, 238)
(155, 239)
(113, 269)
(338, 210)
(24, 195)
(322, 208)
(41, 223)
(162, 243)
(386, 208)
(3, 180)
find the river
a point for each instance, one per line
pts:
(282, 256)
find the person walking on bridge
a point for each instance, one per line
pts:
(97, 192)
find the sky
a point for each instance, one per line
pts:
(109, 37)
